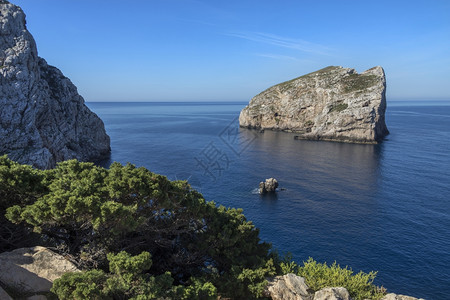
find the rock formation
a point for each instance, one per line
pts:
(293, 287)
(43, 119)
(32, 270)
(392, 296)
(332, 293)
(333, 104)
(288, 287)
(269, 186)
(4, 295)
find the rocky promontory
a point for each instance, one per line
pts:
(43, 119)
(333, 104)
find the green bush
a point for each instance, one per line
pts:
(91, 211)
(19, 185)
(127, 280)
(360, 285)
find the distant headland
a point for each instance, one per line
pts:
(332, 104)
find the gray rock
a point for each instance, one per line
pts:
(4, 295)
(334, 104)
(392, 296)
(333, 293)
(269, 186)
(32, 270)
(43, 119)
(37, 297)
(288, 287)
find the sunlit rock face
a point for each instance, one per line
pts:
(333, 104)
(43, 119)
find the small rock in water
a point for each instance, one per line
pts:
(269, 186)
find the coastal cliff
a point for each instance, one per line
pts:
(43, 119)
(333, 104)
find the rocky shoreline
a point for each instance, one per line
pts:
(34, 270)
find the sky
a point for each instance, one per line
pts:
(208, 50)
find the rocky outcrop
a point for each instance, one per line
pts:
(332, 293)
(333, 104)
(288, 287)
(43, 119)
(268, 186)
(392, 296)
(32, 270)
(4, 295)
(293, 287)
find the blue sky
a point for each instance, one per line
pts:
(174, 50)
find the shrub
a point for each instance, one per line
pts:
(360, 285)
(127, 280)
(19, 185)
(91, 211)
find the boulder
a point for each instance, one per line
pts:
(269, 186)
(392, 296)
(43, 119)
(4, 295)
(333, 104)
(32, 270)
(333, 293)
(288, 287)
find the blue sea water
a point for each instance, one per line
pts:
(379, 207)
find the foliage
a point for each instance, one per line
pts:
(127, 280)
(255, 280)
(199, 290)
(91, 211)
(338, 107)
(358, 82)
(77, 285)
(19, 185)
(287, 265)
(360, 285)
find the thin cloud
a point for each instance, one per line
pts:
(277, 56)
(280, 41)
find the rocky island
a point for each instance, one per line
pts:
(43, 119)
(332, 104)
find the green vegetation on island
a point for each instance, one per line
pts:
(138, 235)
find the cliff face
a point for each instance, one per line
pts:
(335, 104)
(43, 119)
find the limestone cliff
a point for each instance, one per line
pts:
(334, 104)
(43, 119)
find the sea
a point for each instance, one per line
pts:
(382, 207)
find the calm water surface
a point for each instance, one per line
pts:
(372, 207)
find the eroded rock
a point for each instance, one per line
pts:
(333, 104)
(43, 119)
(333, 293)
(32, 270)
(392, 296)
(268, 186)
(288, 287)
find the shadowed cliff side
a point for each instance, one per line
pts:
(43, 119)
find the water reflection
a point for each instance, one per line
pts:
(269, 197)
(315, 166)
(330, 191)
